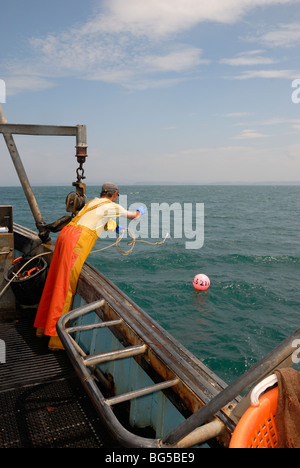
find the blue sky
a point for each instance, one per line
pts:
(171, 91)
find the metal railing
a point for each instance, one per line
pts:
(85, 365)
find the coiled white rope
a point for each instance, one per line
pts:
(22, 268)
(130, 243)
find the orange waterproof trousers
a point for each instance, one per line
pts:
(73, 245)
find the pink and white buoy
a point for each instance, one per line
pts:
(201, 282)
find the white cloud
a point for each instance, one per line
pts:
(267, 74)
(287, 126)
(285, 35)
(135, 43)
(280, 121)
(249, 58)
(293, 124)
(179, 60)
(95, 52)
(16, 84)
(250, 134)
(164, 17)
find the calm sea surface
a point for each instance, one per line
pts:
(251, 253)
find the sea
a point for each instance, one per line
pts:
(246, 240)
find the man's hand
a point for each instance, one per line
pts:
(142, 210)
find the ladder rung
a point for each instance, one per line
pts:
(138, 393)
(114, 355)
(111, 323)
(86, 308)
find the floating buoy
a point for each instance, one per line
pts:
(201, 282)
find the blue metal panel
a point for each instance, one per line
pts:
(141, 408)
(153, 410)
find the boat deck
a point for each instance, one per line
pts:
(42, 402)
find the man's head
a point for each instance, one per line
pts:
(109, 190)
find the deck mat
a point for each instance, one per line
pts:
(51, 415)
(28, 360)
(42, 402)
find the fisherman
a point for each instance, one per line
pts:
(72, 248)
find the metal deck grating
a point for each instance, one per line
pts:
(28, 360)
(42, 402)
(50, 415)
